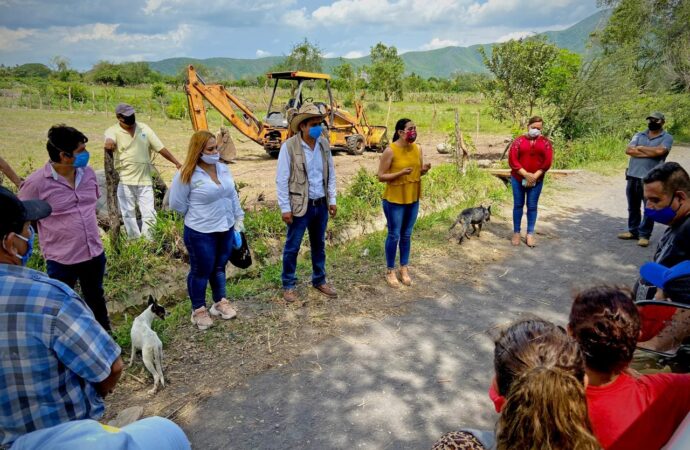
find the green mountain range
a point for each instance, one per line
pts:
(441, 62)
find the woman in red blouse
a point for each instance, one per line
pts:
(529, 158)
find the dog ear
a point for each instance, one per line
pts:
(489, 208)
(152, 301)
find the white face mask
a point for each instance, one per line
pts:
(210, 159)
(534, 132)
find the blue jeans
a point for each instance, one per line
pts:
(315, 221)
(532, 194)
(90, 274)
(208, 255)
(638, 225)
(400, 221)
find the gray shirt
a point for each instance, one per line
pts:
(639, 167)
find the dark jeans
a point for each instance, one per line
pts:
(90, 275)
(638, 226)
(400, 222)
(208, 255)
(520, 193)
(315, 221)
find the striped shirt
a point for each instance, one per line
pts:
(52, 352)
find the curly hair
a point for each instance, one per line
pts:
(541, 371)
(606, 323)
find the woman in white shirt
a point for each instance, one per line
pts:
(203, 190)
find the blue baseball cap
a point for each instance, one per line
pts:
(659, 275)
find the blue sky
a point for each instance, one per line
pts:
(88, 31)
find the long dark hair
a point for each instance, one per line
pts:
(400, 126)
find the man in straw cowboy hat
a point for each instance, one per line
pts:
(305, 181)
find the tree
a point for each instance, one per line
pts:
(386, 70)
(520, 70)
(657, 33)
(303, 56)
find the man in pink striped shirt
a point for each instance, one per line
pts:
(69, 238)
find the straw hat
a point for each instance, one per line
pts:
(306, 111)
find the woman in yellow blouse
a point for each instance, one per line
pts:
(401, 168)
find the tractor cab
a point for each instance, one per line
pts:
(279, 113)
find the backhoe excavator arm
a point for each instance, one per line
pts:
(224, 102)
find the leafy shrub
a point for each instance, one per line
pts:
(177, 108)
(158, 91)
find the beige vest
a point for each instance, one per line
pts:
(298, 183)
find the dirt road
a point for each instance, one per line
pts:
(403, 381)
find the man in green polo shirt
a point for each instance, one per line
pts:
(132, 144)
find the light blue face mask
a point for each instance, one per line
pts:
(30, 243)
(81, 159)
(315, 131)
(210, 159)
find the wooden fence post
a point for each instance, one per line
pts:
(93, 101)
(460, 162)
(69, 97)
(112, 179)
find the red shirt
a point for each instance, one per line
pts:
(530, 154)
(630, 413)
(638, 413)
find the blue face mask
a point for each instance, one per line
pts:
(664, 215)
(81, 159)
(30, 243)
(315, 131)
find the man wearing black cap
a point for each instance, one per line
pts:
(57, 362)
(132, 143)
(647, 149)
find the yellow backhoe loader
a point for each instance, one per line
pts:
(345, 131)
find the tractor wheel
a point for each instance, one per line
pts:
(355, 144)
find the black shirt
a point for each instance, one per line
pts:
(674, 246)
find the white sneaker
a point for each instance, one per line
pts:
(223, 309)
(201, 319)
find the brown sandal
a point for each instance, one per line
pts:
(392, 279)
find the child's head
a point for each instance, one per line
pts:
(605, 322)
(533, 343)
(540, 370)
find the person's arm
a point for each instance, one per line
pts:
(632, 149)
(282, 183)
(179, 194)
(11, 174)
(84, 347)
(170, 157)
(29, 190)
(235, 204)
(332, 208)
(106, 386)
(548, 160)
(110, 143)
(156, 144)
(425, 167)
(385, 164)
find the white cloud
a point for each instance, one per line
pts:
(515, 35)
(108, 32)
(12, 39)
(262, 53)
(353, 54)
(355, 12)
(439, 43)
(297, 18)
(152, 6)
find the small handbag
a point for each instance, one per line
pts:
(241, 257)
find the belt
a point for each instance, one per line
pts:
(317, 202)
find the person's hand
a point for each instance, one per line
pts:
(531, 179)
(332, 210)
(406, 171)
(239, 225)
(287, 218)
(426, 167)
(178, 166)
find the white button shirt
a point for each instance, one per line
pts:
(207, 207)
(314, 164)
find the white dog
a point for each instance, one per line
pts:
(144, 338)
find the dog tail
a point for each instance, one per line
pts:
(457, 221)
